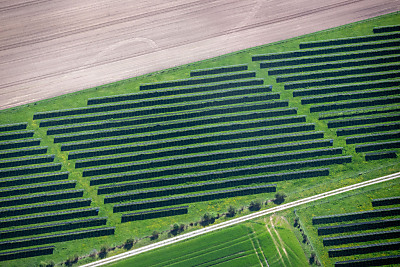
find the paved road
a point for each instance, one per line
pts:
(240, 220)
(53, 47)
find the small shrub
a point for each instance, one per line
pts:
(296, 222)
(207, 219)
(305, 238)
(231, 211)
(174, 230)
(255, 205)
(312, 258)
(129, 243)
(154, 235)
(72, 260)
(103, 252)
(279, 198)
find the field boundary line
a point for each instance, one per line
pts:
(240, 220)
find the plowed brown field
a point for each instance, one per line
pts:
(53, 47)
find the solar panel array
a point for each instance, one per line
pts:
(31, 186)
(363, 232)
(352, 83)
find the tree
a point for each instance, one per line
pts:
(313, 257)
(207, 219)
(255, 205)
(296, 221)
(103, 251)
(154, 235)
(231, 211)
(305, 238)
(69, 262)
(175, 229)
(129, 243)
(279, 198)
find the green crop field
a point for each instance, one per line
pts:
(299, 123)
(247, 244)
(282, 248)
(232, 246)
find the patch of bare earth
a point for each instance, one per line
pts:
(50, 48)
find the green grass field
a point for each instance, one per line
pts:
(244, 254)
(228, 247)
(253, 243)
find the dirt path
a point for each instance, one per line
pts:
(49, 48)
(275, 242)
(282, 244)
(255, 250)
(262, 252)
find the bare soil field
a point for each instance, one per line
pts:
(52, 47)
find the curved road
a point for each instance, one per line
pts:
(240, 220)
(52, 47)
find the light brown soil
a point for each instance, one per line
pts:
(52, 47)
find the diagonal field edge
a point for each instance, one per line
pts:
(241, 219)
